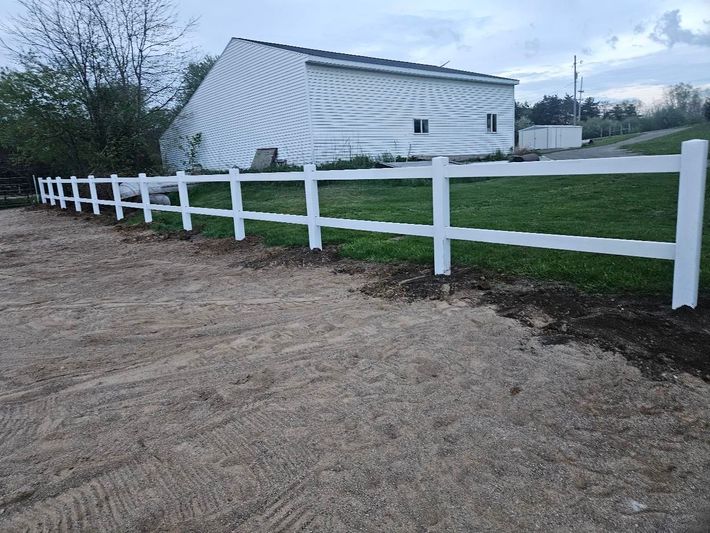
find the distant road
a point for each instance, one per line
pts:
(611, 150)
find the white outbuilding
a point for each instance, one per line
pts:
(544, 137)
(316, 106)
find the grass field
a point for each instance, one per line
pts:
(670, 144)
(624, 206)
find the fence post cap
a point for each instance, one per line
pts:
(693, 142)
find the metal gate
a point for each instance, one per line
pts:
(17, 191)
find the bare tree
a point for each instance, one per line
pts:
(135, 43)
(124, 58)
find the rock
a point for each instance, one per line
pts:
(636, 507)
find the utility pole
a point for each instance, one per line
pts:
(574, 94)
(581, 92)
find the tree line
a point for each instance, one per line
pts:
(682, 104)
(97, 84)
(98, 81)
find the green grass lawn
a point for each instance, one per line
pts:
(601, 141)
(623, 206)
(670, 144)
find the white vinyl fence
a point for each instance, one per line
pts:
(685, 251)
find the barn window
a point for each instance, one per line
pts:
(492, 122)
(421, 125)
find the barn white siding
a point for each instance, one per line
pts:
(357, 111)
(255, 96)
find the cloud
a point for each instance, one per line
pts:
(639, 28)
(427, 31)
(532, 47)
(612, 41)
(669, 32)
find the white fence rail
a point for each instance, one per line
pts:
(685, 251)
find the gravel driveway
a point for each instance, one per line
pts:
(610, 150)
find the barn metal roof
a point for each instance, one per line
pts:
(337, 56)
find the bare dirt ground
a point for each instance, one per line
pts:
(160, 384)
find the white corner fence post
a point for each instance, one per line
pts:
(50, 192)
(60, 192)
(312, 207)
(689, 225)
(442, 215)
(235, 188)
(184, 201)
(94, 196)
(116, 190)
(75, 193)
(145, 198)
(42, 194)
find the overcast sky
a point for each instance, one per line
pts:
(627, 48)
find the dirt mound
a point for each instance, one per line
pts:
(659, 341)
(411, 282)
(294, 257)
(652, 337)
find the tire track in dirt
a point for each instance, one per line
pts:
(22, 422)
(122, 496)
(259, 443)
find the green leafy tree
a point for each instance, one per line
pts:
(522, 110)
(621, 111)
(99, 77)
(684, 98)
(42, 121)
(589, 109)
(192, 77)
(552, 110)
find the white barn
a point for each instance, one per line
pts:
(317, 106)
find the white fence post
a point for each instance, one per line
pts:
(184, 201)
(235, 188)
(94, 196)
(42, 194)
(442, 215)
(60, 191)
(75, 193)
(145, 198)
(312, 207)
(689, 225)
(116, 196)
(50, 192)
